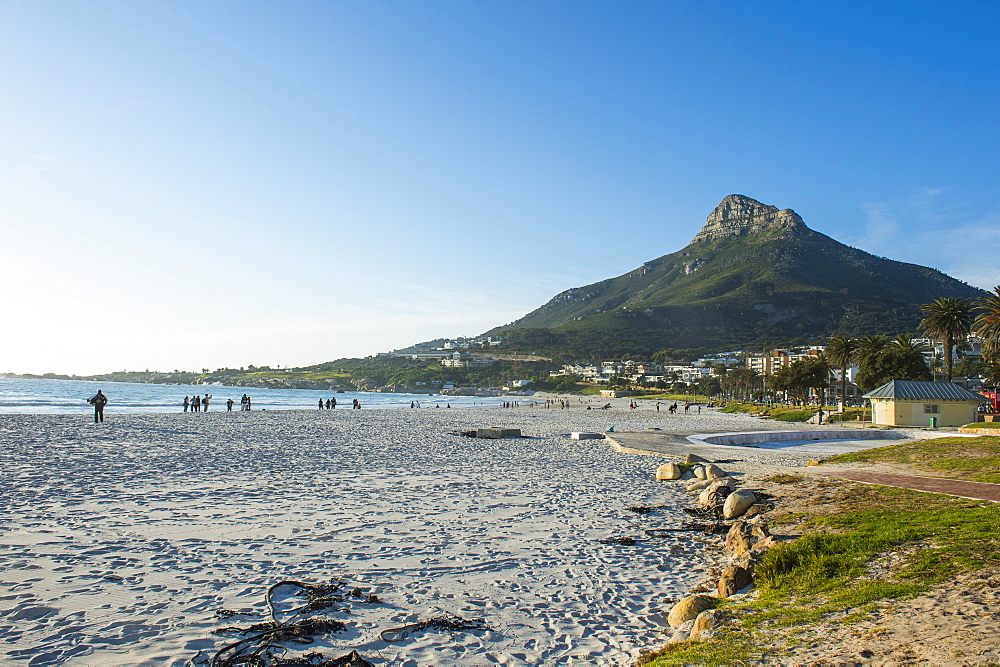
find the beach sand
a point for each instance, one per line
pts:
(120, 541)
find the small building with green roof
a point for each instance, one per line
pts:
(912, 403)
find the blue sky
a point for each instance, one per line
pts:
(191, 184)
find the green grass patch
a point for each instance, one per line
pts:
(993, 426)
(792, 415)
(976, 459)
(783, 478)
(828, 575)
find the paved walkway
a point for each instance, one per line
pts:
(951, 487)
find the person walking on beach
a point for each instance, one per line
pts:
(196, 404)
(229, 405)
(243, 403)
(321, 404)
(204, 402)
(186, 404)
(99, 400)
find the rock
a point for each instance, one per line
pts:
(704, 625)
(682, 633)
(737, 503)
(810, 462)
(713, 472)
(694, 458)
(496, 432)
(688, 608)
(759, 532)
(737, 540)
(699, 485)
(713, 494)
(759, 548)
(733, 579)
(583, 435)
(700, 472)
(668, 471)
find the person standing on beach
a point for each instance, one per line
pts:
(321, 404)
(196, 404)
(204, 402)
(229, 405)
(186, 403)
(243, 403)
(99, 400)
(248, 402)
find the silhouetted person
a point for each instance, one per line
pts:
(229, 405)
(204, 402)
(98, 401)
(186, 404)
(321, 404)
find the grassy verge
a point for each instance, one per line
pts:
(992, 426)
(974, 459)
(840, 571)
(781, 413)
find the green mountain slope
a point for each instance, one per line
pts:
(753, 276)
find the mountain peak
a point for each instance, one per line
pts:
(737, 215)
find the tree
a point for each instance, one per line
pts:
(987, 324)
(709, 385)
(841, 352)
(870, 346)
(948, 318)
(892, 363)
(800, 377)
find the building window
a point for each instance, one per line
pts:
(932, 409)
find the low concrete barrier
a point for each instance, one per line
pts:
(758, 437)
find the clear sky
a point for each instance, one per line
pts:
(204, 184)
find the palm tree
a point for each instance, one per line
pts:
(948, 318)
(869, 347)
(841, 351)
(987, 324)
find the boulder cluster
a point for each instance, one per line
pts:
(747, 540)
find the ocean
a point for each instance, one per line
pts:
(21, 396)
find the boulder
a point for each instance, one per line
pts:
(497, 432)
(713, 495)
(704, 625)
(668, 471)
(737, 540)
(713, 471)
(759, 548)
(699, 485)
(700, 472)
(737, 503)
(682, 633)
(733, 579)
(694, 458)
(688, 608)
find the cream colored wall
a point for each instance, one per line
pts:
(911, 413)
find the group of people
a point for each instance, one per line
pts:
(330, 403)
(198, 403)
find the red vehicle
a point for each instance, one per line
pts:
(993, 395)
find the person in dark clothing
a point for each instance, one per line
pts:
(186, 404)
(321, 404)
(229, 405)
(98, 401)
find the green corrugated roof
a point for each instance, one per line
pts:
(917, 391)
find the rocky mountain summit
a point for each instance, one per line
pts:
(753, 276)
(738, 215)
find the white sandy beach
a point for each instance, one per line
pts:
(120, 541)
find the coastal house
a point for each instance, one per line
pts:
(912, 403)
